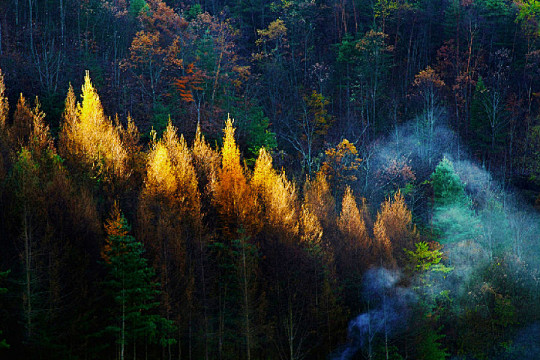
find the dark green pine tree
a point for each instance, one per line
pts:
(129, 281)
(3, 343)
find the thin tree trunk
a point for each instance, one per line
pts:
(246, 303)
(28, 262)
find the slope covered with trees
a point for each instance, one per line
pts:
(269, 180)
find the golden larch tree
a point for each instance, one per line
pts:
(277, 194)
(170, 220)
(393, 229)
(21, 128)
(233, 197)
(318, 198)
(351, 223)
(90, 139)
(207, 162)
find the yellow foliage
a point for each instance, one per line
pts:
(276, 30)
(160, 177)
(22, 123)
(278, 194)
(318, 198)
(90, 138)
(29, 128)
(351, 222)
(171, 175)
(311, 228)
(396, 218)
(233, 197)
(169, 210)
(130, 136)
(206, 160)
(382, 247)
(4, 106)
(40, 139)
(341, 164)
(393, 228)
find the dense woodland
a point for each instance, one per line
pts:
(326, 179)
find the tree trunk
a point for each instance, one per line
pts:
(28, 266)
(246, 302)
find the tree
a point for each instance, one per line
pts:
(89, 140)
(233, 197)
(129, 281)
(306, 134)
(354, 248)
(278, 197)
(319, 200)
(373, 65)
(341, 166)
(427, 84)
(4, 140)
(393, 229)
(452, 214)
(352, 225)
(21, 128)
(3, 274)
(170, 223)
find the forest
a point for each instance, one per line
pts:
(253, 179)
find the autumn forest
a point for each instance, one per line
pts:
(252, 179)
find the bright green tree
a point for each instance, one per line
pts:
(453, 215)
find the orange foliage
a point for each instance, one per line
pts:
(393, 229)
(4, 106)
(22, 123)
(351, 223)
(312, 230)
(233, 197)
(318, 198)
(189, 82)
(206, 160)
(113, 227)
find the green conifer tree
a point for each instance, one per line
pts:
(129, 280)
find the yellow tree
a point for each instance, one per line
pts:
(393, 230)
(341, 165)
(278, 196)
(89, 139)
(237, 206)
(233, 197)
(170, 221)
(207, 162)
(352, 225)
(319, 200)
(21, 128)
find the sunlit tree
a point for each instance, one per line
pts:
(278, 195)
(89, 139)
(170, 220)
(393, 230)
(233, 197)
